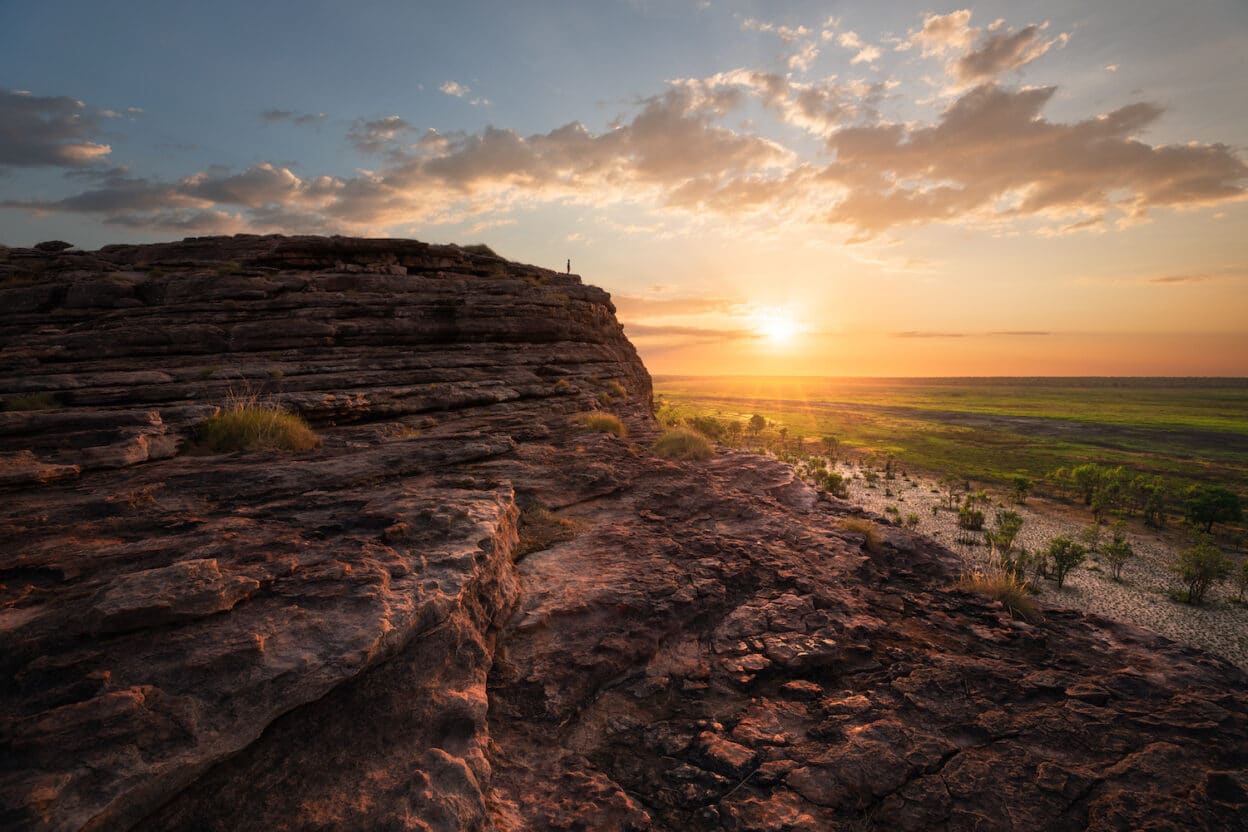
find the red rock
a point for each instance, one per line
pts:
(343, 638)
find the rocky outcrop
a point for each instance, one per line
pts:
(350, 637)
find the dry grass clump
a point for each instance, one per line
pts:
(1003, 587)
(617, 389)
(540, 528)
(400, 430)
(247, 425)
(31, 401)
(602, 422)
(871, 532)
(683, 443)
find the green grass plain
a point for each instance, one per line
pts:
(991, 429)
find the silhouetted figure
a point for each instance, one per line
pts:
(569, 266)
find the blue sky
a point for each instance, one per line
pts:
(688, 166)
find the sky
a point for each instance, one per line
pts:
(779, 188)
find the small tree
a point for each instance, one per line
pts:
(734, 431)
(1021, 488)
(1208, 504)
(757, 423)
(1065, 556)
(1241, 579)
(1090, 537)
(1117, 552)
(1001, 538)
(833, 483)
(1199, 567)
(830, 444)
(952, 487)
(971, 519)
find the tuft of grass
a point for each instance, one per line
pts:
(604, 398)
(400, 430)
(1004, 587)
(683, 443)
(562, 384)
(247, 425)
(540, 528)
(872, 539)
(602, 422)
(31, 401)
(617, 389)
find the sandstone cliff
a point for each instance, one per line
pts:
(351, 637)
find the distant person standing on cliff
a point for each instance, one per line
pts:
(569, 266)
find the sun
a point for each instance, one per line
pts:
(777, 326)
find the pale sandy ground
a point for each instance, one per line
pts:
(1143, 596)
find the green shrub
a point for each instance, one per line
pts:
(31, 401)
(833, 483)
(971, 519)
(1241, 579)
(683, 443)
(1199, 567)
(480, 248)
(1117, 553)
(246, 425)
(708, 426)
(1014, 594)
(1204, 505)
(1064, 555)
(602, 422)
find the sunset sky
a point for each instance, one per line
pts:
(776, 188)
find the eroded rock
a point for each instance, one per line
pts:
(340, 638)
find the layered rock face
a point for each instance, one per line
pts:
(350, 637)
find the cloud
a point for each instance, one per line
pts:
(850, 40)
(925, 334)
(804, 57)
(818, 106)
(992, 156)
(1009, 333)
(379, 134)
(1002, 52)
(788, 34)
(38, 131)
(671, 151)
(665, 331)
(454, 88)
(942, 33)
(292, 117)
(633, 307)
(1234, 273)
(974, 55)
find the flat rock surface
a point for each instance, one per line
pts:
(350, 637)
